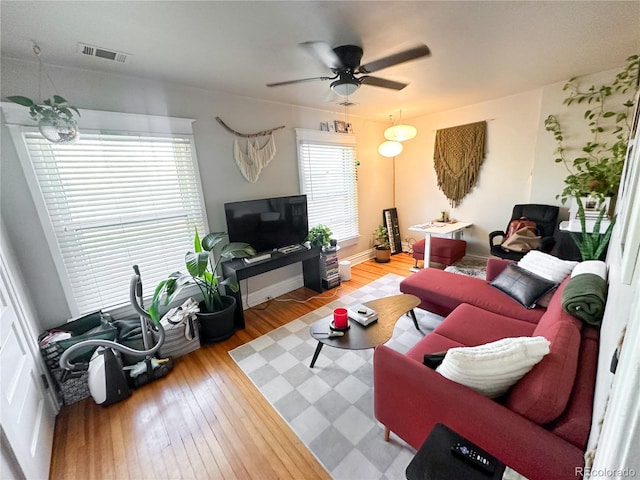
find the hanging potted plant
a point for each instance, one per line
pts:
(54, 116)
(595, 172)
(597, 168)
(382, 249)
(217, 311)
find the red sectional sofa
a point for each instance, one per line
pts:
(540, 427)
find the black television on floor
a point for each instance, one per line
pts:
(268, 223)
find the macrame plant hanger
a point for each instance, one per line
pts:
(256, 158)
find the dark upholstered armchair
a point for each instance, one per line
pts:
(546, 218)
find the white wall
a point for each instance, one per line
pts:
(221, 179)
(504, 179)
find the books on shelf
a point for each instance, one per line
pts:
(329, 269)
(361, 314)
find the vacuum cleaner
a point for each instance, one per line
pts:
(109, 380)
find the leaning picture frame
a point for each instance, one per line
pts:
(324, 126)
(341, 127)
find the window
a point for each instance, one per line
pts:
(327, 163)
(110, 201)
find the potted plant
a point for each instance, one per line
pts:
(319, 236)
(596, 170)
(592, 245)
(54, 116)
(382, 247)
(217, 311)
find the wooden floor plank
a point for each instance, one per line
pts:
(206, 419)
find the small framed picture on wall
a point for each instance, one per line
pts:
(341, 127)
(324, 126)
(332, 127)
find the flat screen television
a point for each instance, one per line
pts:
(268, 223)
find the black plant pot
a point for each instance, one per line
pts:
(218, 326)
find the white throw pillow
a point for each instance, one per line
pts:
(491, 369)
(546, 266)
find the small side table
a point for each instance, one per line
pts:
(435, 460)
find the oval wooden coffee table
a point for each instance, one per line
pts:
(389, 309)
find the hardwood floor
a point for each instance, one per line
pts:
(205, 419)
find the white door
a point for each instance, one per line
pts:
(26, 412)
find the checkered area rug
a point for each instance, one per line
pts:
(330, 407)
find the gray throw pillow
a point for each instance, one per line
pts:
(523, 286)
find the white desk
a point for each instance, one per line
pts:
(452, 230)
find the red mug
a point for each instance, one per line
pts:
(340, 318)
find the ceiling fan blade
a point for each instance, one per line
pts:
(395, 59)
(302, 80)
(330, 96)
(323, 52)
(382, 82)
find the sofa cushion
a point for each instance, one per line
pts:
(471, 326)
(523, 286)
(441, 292)
(491, 369)
(431, 343)
(543, 393)
(575, 422)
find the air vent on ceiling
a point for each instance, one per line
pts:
(93, 51)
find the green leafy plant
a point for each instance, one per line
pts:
(50, 109)
(597, 168)
(201, 267)
(319, 236)
(381, 236)
(592, 244)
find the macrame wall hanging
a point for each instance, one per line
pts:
(458, 155)
(256, 158)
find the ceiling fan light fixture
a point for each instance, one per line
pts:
(400, 133)
(390, 148)
(345, 87)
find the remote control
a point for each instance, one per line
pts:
(472, 457)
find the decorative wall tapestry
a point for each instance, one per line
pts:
(256, 158)
(458, 155)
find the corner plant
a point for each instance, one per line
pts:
(50, 109)
(597, 169)
(382, 238)
(319, 236)
(592, 245)
(201, 267)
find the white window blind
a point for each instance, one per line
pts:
(327, 164)
(114, 201)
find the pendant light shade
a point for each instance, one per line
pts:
(390, 149)
(400, 133)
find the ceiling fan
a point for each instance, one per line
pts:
(344, 62)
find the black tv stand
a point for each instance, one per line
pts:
(238, 270)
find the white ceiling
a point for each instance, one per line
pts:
(480, 49)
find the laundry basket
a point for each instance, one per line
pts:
(72, 386)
